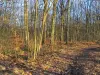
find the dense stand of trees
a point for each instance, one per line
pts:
(36, 21)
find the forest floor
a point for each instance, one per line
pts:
(72, 59)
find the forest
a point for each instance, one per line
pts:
(49, 37)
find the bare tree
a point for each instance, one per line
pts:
(26, 26)
(53, 22)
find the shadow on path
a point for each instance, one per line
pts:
(85, 63)
(80, 63)
(87, 59)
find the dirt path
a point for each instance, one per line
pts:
(83, 62)
(88, 61)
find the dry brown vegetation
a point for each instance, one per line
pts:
(49, 37)
(56, 61)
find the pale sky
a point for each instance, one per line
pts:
(20, 6)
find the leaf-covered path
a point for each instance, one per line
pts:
(66, 61)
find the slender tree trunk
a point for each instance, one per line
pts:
(62, 20)
(68, 15)
(53, 22)
(26, 24)
(45, 12)
(35, 33)
(5, 14)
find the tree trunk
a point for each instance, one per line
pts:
(26, 24)
(53, 22)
